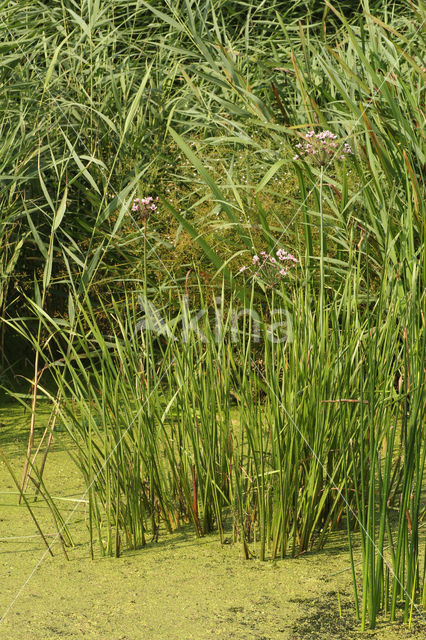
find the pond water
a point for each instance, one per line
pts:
(179, 588)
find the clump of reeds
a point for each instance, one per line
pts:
(295, 406)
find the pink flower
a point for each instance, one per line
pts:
(268, 269)
(144, 206)
(321, 146)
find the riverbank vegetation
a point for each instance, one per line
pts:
(212, 231)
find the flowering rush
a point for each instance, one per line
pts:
(145, 206)
(271, 269)
(321, 147)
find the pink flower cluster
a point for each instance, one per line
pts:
(321, 147)
(144, 206)
(269, 268)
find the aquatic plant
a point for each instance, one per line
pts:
(322, 147)
(275, 441)
(296, 437)
(269, 269)
(144, 207)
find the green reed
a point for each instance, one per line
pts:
(216, 425)
(284, 421)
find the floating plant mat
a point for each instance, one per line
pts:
(181, 587)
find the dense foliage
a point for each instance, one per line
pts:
(268, 154)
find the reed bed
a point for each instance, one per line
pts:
(274, 433)
(293, 404)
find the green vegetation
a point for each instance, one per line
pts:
(244, 355)
(180, 587)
